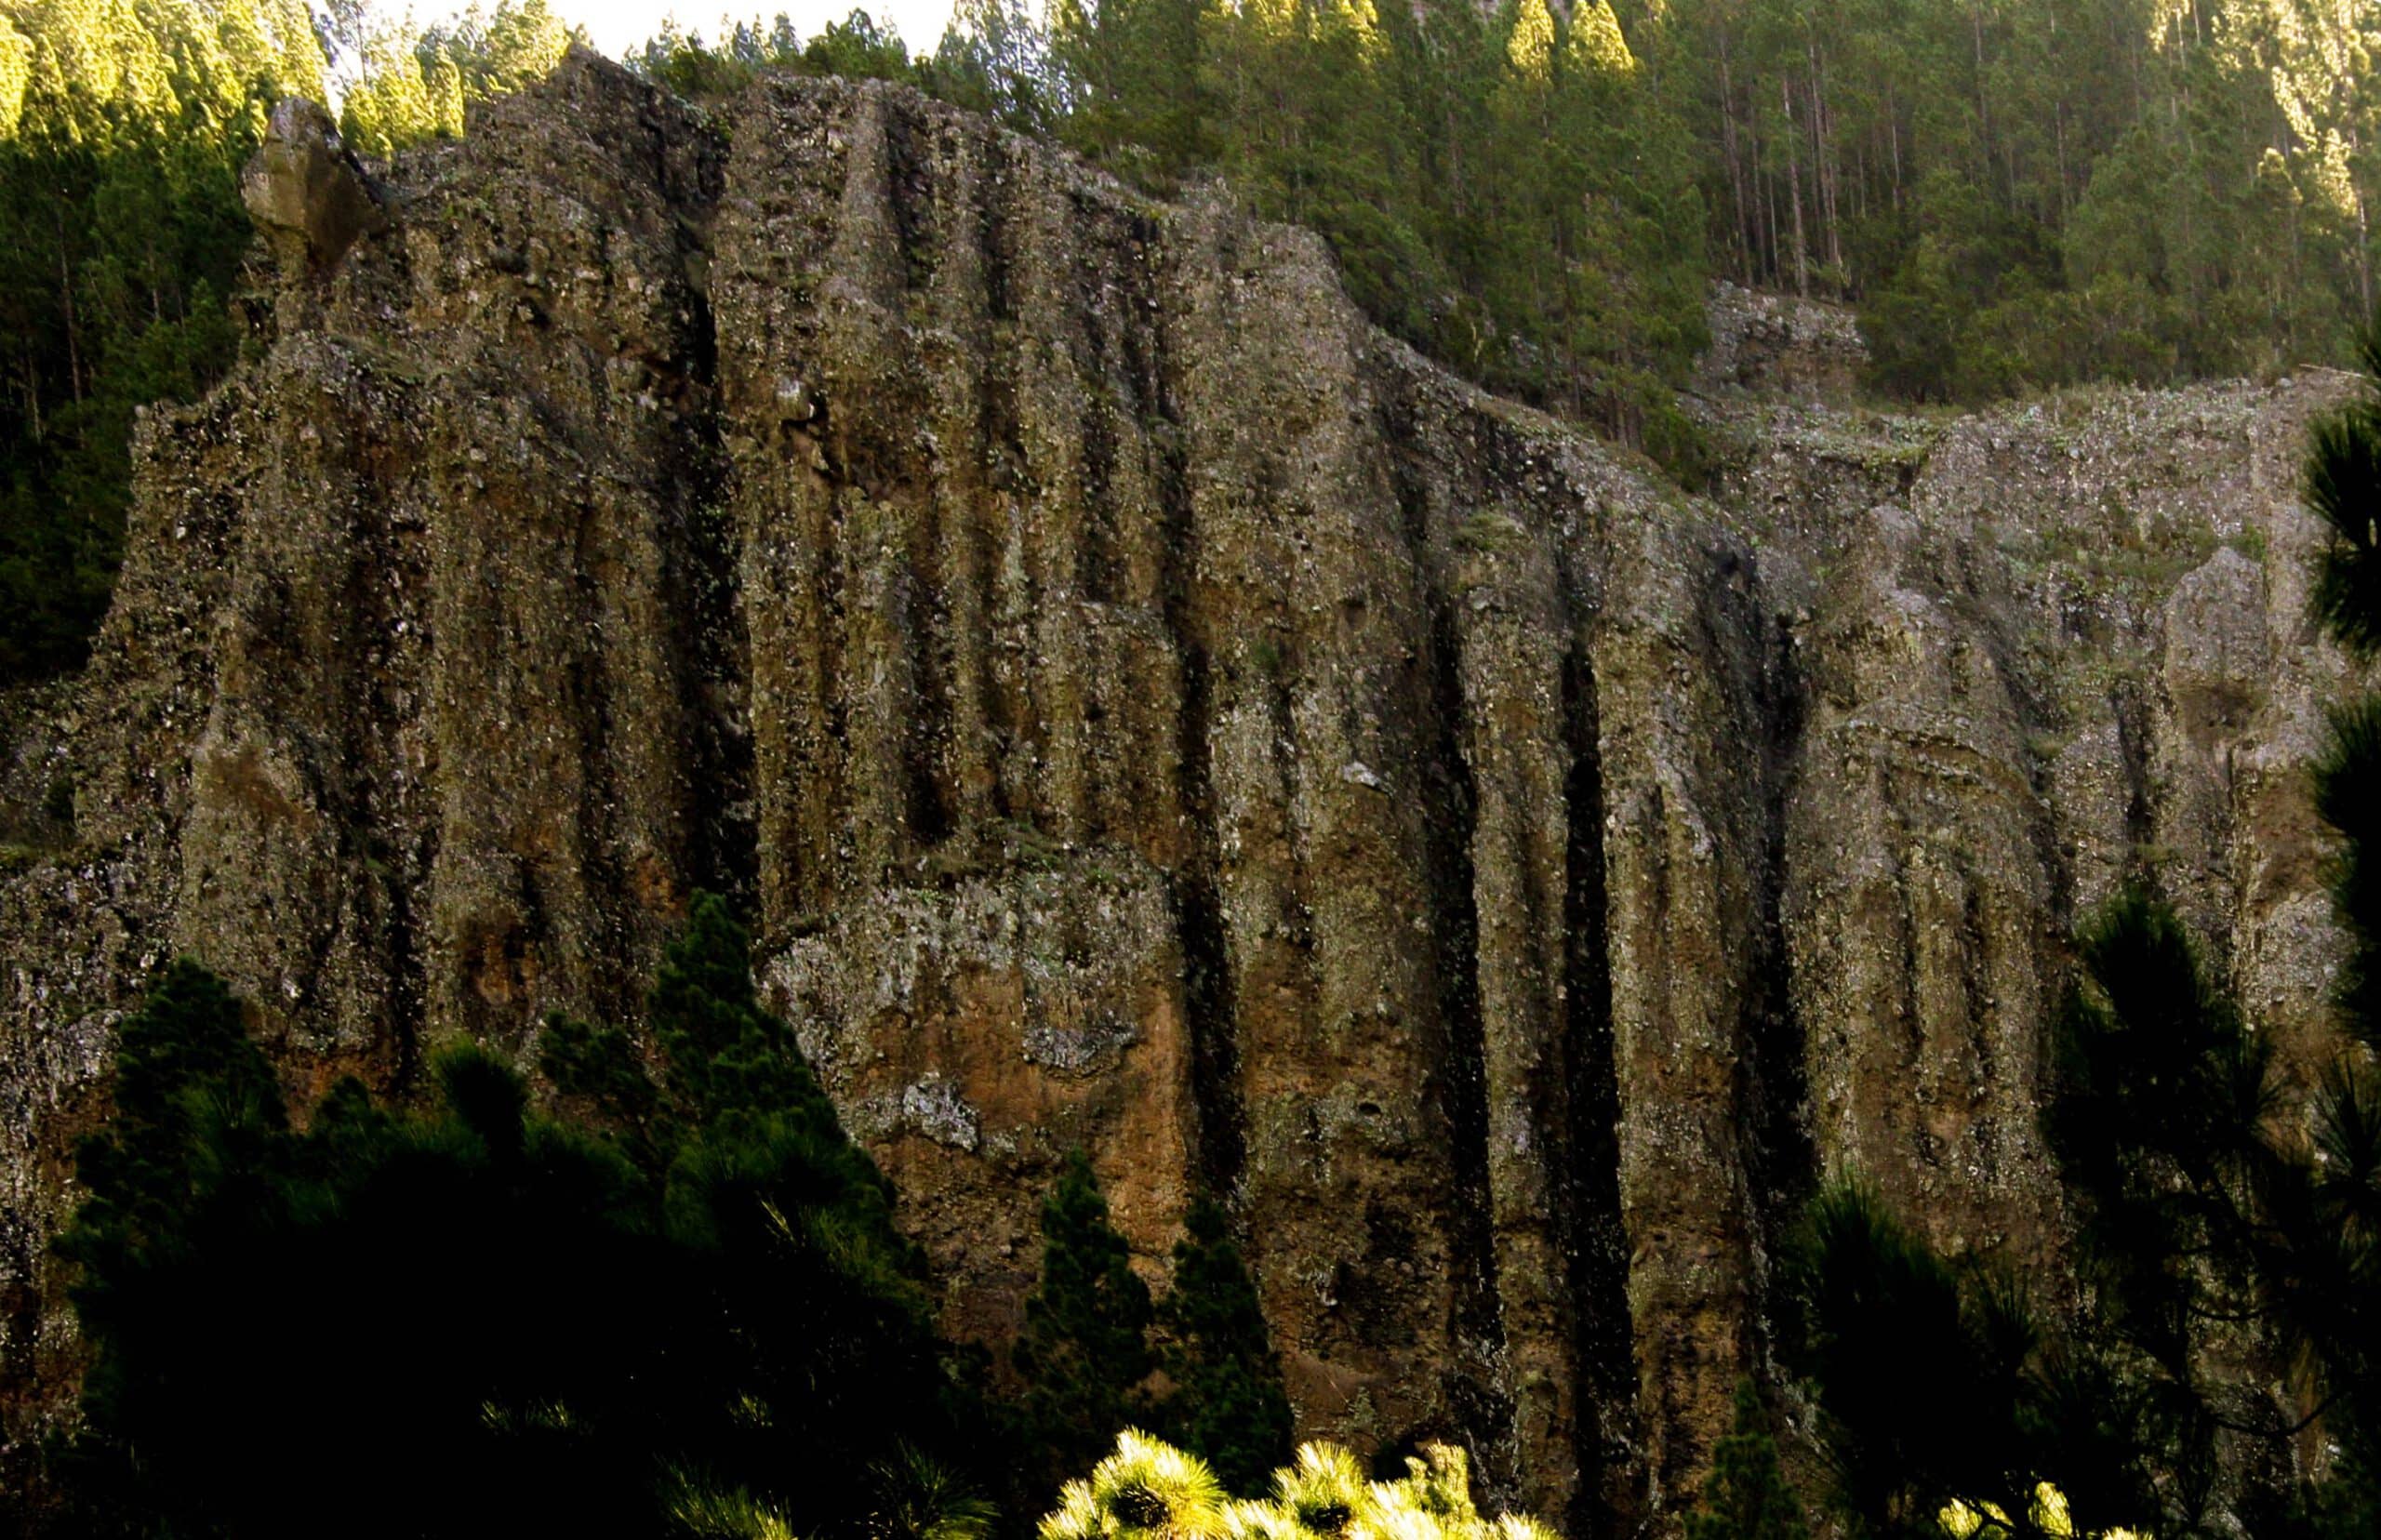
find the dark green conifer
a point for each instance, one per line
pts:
(197, 1107)
(188, 1077)
(1084, 1351)
(1921, 1376)
(2342, 488)
(2327, 1210)
(1227, 1404)
(1745, 1497)
(520, 1326)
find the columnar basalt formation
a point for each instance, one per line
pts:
(1144, 708)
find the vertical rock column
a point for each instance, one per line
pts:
(1680, 730)
(1348, 966)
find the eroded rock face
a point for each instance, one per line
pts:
(1778, 346)
(307, 194)
(1146, 709)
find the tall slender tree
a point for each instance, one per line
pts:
(1085, 1350)
(1228, 1405)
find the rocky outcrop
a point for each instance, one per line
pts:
(307, 195)
(1777, 346)
(1144, 708)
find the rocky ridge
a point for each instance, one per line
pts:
(1145, 708)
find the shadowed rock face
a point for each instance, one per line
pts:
(305, 193)
(1144, 708)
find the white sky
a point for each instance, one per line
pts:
(619, 25)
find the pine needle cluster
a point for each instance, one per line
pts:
(1149, 1490)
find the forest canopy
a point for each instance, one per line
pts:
(123, 128)
(2014, 195)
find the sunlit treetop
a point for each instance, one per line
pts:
(1596, 43)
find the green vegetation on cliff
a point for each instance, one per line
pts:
(481, 1319)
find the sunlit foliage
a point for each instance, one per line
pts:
(1150, 1488)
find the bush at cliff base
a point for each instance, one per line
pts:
(1149, 1488)
(1963, 1521)
(674, 1301)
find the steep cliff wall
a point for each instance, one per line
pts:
(1147, 709)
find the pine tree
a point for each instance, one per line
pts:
(1228, 1405)
(1920, 1374)
(523, 1320)
(1085, 1350)
(190, 1081)
(2343, 482)
(2331, 1206)
(1745, 1497)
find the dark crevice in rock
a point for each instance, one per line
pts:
(1223, 1144)
(2134, 748)
(1782, 1164)
(588, 709)
(1095, 576)
(1215, 1049)
(1608, 1497)
(716, 673)
(909, 192)
(1481, 1404)
(381, 585)
(724, 853)
(923, 634)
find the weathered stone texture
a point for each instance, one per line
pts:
(1146, 709)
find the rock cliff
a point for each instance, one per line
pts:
(1147, 709)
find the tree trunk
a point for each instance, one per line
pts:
(1823, 140)
(1794, 187)
(1732, 149)
(66, 296)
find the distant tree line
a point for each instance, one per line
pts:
(2028, 193)
(2015, 193)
